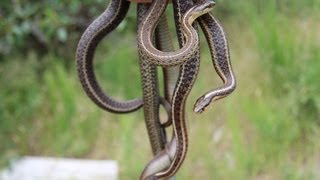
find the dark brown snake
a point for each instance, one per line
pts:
(220, 55)
(168, 161)
(147, 28)
(97, 30)
(150, 95)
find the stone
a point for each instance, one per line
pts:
(40, 168)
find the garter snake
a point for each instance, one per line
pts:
(164, 43)
(221, 60)
(90, 39)
(146, 31)
(219, 50)
(168, 162)
(97, 30)
(103, 26)
(150, 88)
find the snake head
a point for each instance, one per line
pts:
(200, 8)
(209, 4)
(203, 6)
(202, 103)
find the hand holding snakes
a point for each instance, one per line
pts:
(168, 161)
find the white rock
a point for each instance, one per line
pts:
(44, 168)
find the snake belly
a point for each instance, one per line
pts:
(97, 30)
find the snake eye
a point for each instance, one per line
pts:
(211, 4)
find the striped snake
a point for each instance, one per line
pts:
(146, 31)
(150, 88)
(188, 73)
(97, 30)
(219, 50)
(218, 45)
(167, 162)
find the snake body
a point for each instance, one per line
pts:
(167, 163)
(164, 43)
(221, 60)
(219, 50)
(150, 95)
(97, 30)
(146, 31)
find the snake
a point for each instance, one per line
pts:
(167, 163)
(101, 27)
(164, 43)
(150, 88)
(146, 31)
(96, 31)
(220, 55)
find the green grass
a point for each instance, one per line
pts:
(268, 129)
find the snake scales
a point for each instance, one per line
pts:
(168, 158)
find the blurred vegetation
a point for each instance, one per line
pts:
(45, 26)
(268, 129)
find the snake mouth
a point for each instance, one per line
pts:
(201, 104)
(198, 110)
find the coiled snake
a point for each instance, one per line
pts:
(167, 162)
